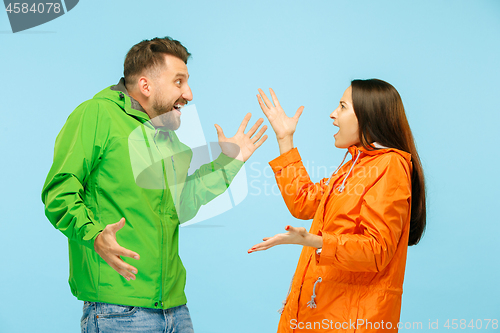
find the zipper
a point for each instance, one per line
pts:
(175, 182)
(162, 204)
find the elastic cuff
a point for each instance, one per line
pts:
(91, 235)
(229, 167)
(224, 161)
(328, 251)
(280, 162)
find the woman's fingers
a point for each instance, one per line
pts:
(275, 99)
(266, 100)
(263, 106)
(267, 243)
(259, 247)
(292, 236)
(298, 113)
(298, 230)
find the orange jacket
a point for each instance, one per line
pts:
(363, 214)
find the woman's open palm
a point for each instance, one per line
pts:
(283, 125)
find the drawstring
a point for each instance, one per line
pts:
(341, 187)
(341, 163)
(284, 301)
(335, 172)
(311, 304)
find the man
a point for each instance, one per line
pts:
(118, 189)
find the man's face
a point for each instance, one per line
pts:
(170, 92)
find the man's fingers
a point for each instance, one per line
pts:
(258, 135)
(244, 123)
(220, 132)
(258, 144)
(254, 128)
(120, 266)
(126, 270)
(123, 252)
(118, 225)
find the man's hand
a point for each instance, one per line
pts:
(293, 236)
(246, 144)
(108, 248)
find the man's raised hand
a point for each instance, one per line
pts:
(247, 143)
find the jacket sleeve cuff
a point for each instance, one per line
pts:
(328, 251)
(280, 162)
(91, 233)
(231, 166)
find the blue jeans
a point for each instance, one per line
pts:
(103, 318)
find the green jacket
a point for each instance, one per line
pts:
(109, 163)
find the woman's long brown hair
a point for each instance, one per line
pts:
(381, 117)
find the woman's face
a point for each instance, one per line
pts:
(345, 118)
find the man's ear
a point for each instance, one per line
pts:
(144, 86)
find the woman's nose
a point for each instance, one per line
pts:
(333, 115)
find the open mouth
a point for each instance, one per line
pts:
(178, 107)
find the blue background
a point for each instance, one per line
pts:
(442, 56)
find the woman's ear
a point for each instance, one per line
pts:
(365, 138)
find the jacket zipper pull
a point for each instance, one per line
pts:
(311, 304)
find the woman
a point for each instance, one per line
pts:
(350, 273)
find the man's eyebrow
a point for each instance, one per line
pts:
(182, 74)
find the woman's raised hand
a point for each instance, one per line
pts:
(283, 126)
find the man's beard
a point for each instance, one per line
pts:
(165, 115)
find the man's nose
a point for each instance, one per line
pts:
(187, 94)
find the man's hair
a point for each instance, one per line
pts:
(150, 55)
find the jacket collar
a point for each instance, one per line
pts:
(356, 153)
(354, 150)
(128, 103)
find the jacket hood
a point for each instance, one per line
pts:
(356, 152)
(119, 95)
(379, 150)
